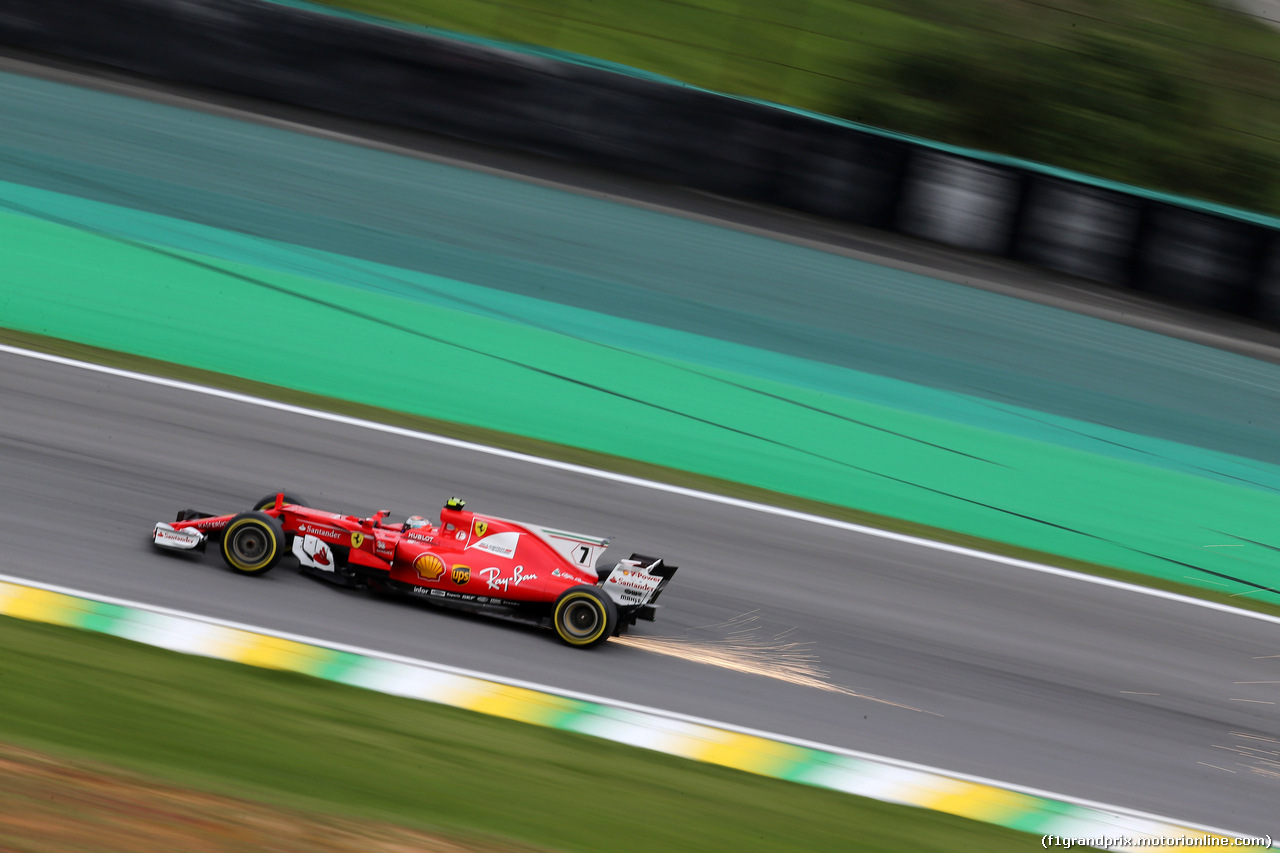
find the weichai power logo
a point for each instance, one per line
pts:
(429, 567)
(460, 575)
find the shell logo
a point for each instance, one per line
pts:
(429, 567)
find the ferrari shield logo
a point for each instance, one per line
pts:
(460, 575)
(357, 539)
(481, 528)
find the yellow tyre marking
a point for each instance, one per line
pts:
(604, 621)
(230, 555)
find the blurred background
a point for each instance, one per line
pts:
(1002, 274)
(1178, 95)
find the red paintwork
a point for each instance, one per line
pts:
(466, 553)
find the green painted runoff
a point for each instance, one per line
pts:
(409, 214)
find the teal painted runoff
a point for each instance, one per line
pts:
(575, 320)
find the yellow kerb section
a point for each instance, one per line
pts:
(36, 605)
(7, 593)
(517, 703)
(744, 752)
(971, 800)
(272, 652)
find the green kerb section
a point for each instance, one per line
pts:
(405, 340)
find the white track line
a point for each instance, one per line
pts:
(600, 700)
(637, 481)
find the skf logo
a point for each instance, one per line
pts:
(461, 574)
(480, 528)
(429, 567)
(357, 539)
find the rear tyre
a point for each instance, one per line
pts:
(584, 616)
(252, 543)
(269, 501)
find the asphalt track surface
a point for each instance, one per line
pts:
(1032, 679)
(1037, 680)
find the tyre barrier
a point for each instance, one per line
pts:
(603, 115)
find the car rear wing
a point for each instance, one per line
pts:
(637, 582)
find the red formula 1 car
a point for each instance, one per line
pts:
(472, 562)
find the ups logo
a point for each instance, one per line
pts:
(460, 575)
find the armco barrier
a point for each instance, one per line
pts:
(591, 113)
(852, 772)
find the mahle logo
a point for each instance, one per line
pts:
(461, 574)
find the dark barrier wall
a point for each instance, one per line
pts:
(1121, 237)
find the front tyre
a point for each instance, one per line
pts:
(252, 543)
(584, 616)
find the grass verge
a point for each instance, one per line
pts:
(50, 802)
(312, 745)
(603, 461)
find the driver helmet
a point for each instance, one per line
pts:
(413, 522)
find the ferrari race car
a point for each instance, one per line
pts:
(482, 564)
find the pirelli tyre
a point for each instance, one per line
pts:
(584, 616)
(252, 543)
(269, 501)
